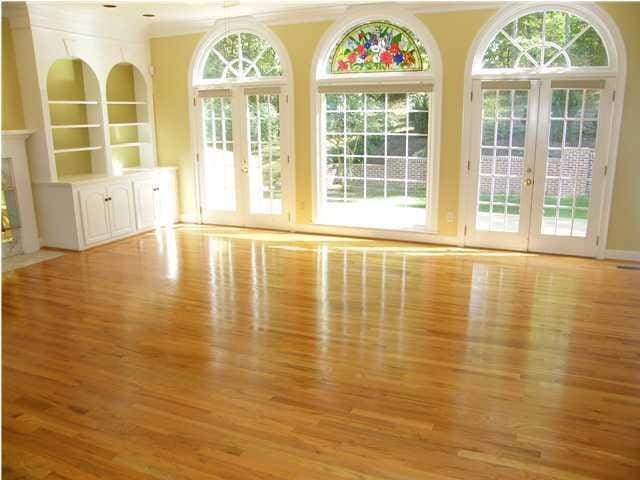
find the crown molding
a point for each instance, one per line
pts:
(66, 18)
(313, 14)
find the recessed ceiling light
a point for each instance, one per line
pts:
(149, 15)
(109, 5)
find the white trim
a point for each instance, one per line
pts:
(352, 17)
(189, 218)
(616, 50)
(64, 18)
(629, 255)
(381, 234)
(222, 28)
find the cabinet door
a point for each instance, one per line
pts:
(145, 193)
(95, 214)
(121, 209)
(168, 197)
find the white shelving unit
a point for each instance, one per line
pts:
(130, 132)
(76, 149)
(75, 121)
(82, 125)
(83, 197)
(72, 102)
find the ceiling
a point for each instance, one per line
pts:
(181, 16)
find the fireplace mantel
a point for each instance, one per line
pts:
(14, 151)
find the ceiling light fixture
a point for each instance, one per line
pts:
(149, 15)
(109, 5)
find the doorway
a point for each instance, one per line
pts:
(243, 159)
(538, 164)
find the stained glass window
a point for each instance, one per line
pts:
(241, 56)
(546, 39)
(378, 47)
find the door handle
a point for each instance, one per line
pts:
(528, 182)
(244, 169)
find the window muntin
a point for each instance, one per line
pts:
(378, 47)
(241, 56)
(376, 155)
(546, 39)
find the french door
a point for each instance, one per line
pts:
(537, 165)
(243, 167)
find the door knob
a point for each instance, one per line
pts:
(528, 182)
(244, 169)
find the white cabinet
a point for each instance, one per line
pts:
(147, 203)
(95, 213)
(85, 211)
(156, 199)
(107, 211)
(121, 213)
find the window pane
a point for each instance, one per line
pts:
(265, 185)
(504, 125)
(219, 162)
(569, 169)
(375, 122)
(384, 168)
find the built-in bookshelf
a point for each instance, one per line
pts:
(130, 136)
(75, 111)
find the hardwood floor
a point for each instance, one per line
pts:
(213, 353)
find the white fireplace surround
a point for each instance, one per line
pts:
(13, 147)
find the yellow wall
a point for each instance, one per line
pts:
(12, 117)
(454, 43)
(121, 88)
(300, 41)
(170, 57)
(65, 81)
(624, 225)
(454, 32)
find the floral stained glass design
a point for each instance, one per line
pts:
(546, 39)
(378, 47)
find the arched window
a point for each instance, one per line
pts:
(377, 98)
(241, 122)
(543, 80)
(378, 47)
(545, 39)
(241, 56)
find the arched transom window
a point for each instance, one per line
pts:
(546, 39)
(241, 56)
(378, 47)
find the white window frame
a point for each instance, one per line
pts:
(616, 71)
(319, 77)
(196, 83)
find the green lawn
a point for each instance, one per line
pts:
(582, 202)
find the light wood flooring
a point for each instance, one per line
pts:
(229, 354)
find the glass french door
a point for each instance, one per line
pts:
(538, 165)
(243, 162)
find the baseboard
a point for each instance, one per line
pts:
(631, 255)
(189, 218)
(377, 234)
